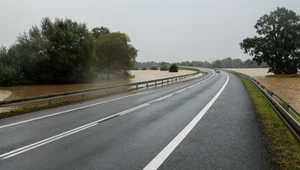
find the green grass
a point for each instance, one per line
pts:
(284, 150)
(285, 76)
(188, 69)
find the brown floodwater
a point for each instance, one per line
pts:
(35, 90)
(287, 88)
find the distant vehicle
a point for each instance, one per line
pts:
(217, 70)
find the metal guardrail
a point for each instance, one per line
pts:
(136, 86)
(283, 109)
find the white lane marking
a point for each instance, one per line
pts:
(191, 86)
(165, 97)
(79, 108)
(78, 129)
(181, 90)
(134, 109)
(164, 154)
(54, 138)
(66, 111)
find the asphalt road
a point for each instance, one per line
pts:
(206, 123)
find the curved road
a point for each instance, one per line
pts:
(206, 123)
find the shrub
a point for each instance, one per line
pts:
(173, 68)
(164, 69)
(153, 68)
(144, 68)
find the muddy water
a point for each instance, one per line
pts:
(287, 88)
(35, 90)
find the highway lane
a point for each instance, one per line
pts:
(130, 141)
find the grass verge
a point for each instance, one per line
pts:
(284, 150)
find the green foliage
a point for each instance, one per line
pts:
(154, 68)
(144, 68)
(216, 64)
(114, 54)
(164, 69)
(173, 68)
(62, 51)
(97, 32)
(278, 41)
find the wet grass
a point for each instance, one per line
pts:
(284, 150)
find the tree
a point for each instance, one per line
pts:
(237, 63)
(173, 68)
(216, 64)
(114, 53)
(97, 32)
(226, 63)
(206, 64)
(163, 66)
(68, 48)
(278, 41)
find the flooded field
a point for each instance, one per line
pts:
(35, 90)
(287, 88)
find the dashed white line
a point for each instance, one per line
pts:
(81, 128)
(66, 111)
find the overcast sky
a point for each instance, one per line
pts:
(162, 30)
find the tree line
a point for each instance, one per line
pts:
(224, 63)
(65, 51)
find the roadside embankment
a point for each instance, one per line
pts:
(283, 148)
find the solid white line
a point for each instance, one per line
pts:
(78, 129)
(66, 111)
(46, 142)
(79, 108)
(163, 155)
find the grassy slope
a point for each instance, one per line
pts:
(283, 149)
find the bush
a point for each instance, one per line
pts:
(153, 68)
(164, 69)
(173, 68)
(144, 68)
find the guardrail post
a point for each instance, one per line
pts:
(162, 83)
(49, 102)
(137, 87)
(172, 80)
(285, 106)
(147, 85)
(167, 81)
(155, 84)
(82, 97)
(270, 93)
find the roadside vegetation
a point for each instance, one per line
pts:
(65, 51)
(284, 150)
(277, 42)
(173, 68)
